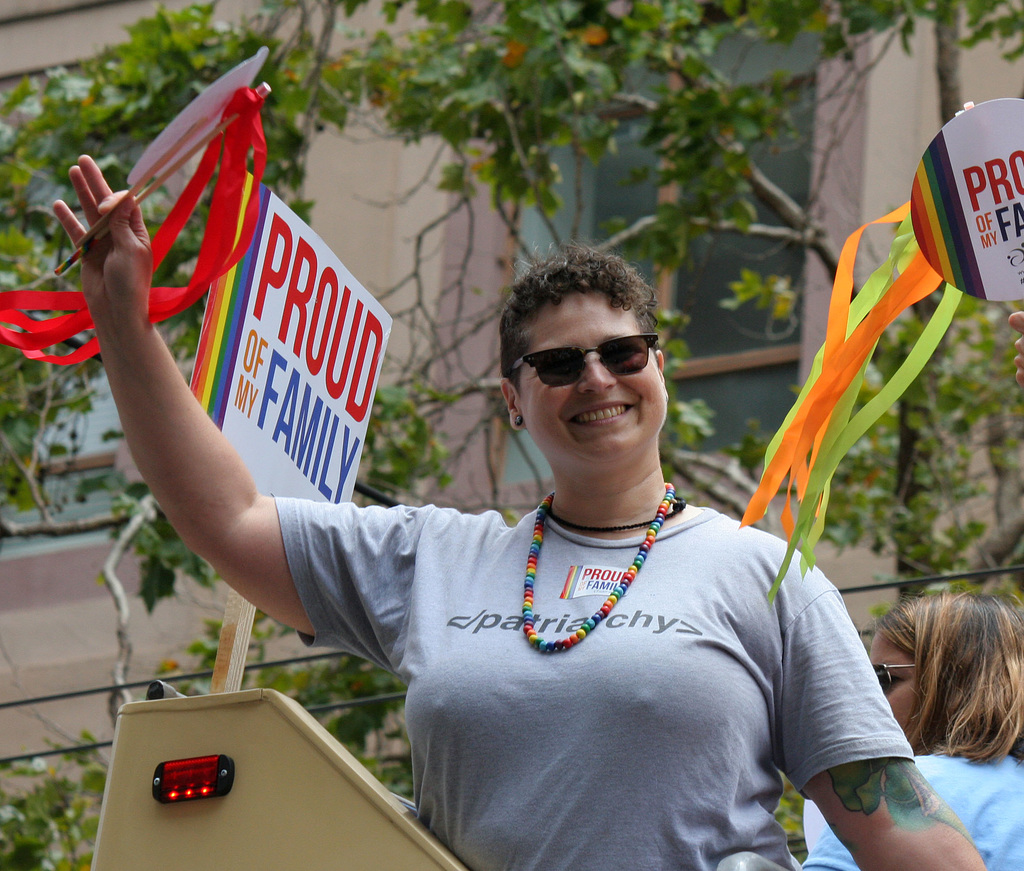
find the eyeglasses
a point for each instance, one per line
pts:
(885, 676)
(558, 367)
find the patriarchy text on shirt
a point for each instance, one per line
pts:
(637, 621)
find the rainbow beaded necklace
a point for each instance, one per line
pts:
(620, 590)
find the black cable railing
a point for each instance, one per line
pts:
(970, 574)
(103, 745)
(131, 685)
(176, 678)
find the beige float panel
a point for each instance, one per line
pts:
(299, 800)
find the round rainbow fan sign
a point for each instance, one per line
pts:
(967, 203)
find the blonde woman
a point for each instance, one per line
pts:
(952, 668)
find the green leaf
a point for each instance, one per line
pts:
(157, 583)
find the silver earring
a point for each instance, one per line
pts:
(519, 420)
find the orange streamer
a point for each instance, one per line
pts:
(846, 350)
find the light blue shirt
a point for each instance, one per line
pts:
(988, 797)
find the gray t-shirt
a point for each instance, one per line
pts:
(656, 743)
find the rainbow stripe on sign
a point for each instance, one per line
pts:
(571, 581)
(940, 224)
(221, 335)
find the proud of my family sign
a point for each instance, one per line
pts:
(289, 358)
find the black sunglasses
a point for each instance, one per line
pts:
(885, 676)
(558, 367)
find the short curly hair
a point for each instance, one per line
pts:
(572, 268)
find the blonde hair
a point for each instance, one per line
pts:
(969, 656)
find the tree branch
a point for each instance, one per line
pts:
(58, 528)
(631, 232)
(809, 232)
(38, 497)
(145, 513)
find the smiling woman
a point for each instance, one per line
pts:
(655, 744)
(600, 428)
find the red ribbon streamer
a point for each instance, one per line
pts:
(222, 247)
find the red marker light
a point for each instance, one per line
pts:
(189, 779)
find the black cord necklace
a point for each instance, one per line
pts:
(678, 504)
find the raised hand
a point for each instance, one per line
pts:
(117, 265)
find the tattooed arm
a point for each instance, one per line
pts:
(890, 819)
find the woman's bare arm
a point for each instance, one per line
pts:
(890, 819)
(197, 477)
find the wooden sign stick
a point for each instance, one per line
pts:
(233, 646)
